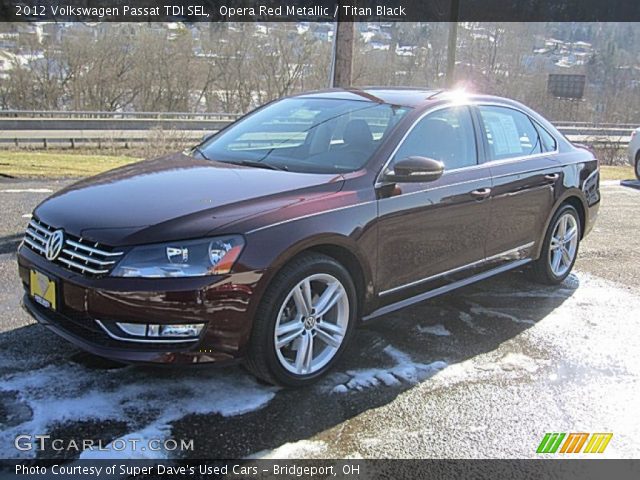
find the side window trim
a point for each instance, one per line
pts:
(483, 157)
(540, 128)
(481, 143)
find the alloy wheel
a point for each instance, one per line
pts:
(311, 324)
(564, 244)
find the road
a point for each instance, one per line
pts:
(482, 372)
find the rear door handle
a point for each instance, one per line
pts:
(481, 193)
(552, 176)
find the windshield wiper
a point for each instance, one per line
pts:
(253, 163)
(246, 163)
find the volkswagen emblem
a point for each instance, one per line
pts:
(54, 244)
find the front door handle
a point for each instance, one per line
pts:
(481, 193)
(552, 177)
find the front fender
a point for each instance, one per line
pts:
(349, 231)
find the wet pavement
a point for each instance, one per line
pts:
(482, 372)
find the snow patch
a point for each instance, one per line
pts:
(509, 366)
(147, 401)
(404, 370)
(122, 448)
(518, 361)
(438, 330)
(301, 449)
(468, 321)
(480, 310)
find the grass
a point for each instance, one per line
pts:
(25, 164)
(616, 172)
(61, 165)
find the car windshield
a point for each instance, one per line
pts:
(311, 135)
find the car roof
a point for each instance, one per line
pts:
(409, 97)
(403, 96)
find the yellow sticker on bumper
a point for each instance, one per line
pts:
(42, 289)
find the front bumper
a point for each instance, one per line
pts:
(223, 303)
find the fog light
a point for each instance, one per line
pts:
(182, 330)
(135, 329)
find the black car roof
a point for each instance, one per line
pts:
(404, 96)
(409, 97)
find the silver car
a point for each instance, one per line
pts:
(634, 151)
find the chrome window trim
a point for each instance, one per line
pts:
(522, 172)
(454, 270)
(380, 183)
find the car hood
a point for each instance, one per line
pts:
(175, 197)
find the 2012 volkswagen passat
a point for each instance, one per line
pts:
(271, 240)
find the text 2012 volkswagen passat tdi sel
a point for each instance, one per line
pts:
(272, 239)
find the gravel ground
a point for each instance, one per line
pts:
(483, 372)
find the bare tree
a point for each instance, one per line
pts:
(38, 78)
(101, 70)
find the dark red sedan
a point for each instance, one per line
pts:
(271, 240)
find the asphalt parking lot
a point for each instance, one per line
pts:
(483, 372)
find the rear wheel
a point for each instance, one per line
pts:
(638, 165)
(303, 323)
(560, 247)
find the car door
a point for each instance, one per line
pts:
(428, 229)
(525, 172)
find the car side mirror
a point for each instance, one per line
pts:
(414, 170)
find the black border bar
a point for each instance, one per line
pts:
(320, 10)
(567, 469)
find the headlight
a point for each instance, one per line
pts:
(191, 258)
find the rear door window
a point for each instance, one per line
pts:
(509, 133)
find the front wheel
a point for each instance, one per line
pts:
(560, 248)
(303, 323)
(638, 165)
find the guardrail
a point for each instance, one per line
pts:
(60, 114)
(563, 123)
(19, 128)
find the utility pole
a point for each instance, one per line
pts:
(453, 42)
(342, 57)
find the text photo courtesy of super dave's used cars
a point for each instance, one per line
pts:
(335, 273)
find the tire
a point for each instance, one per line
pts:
(637, 169)
(284, 306)
(542, 270)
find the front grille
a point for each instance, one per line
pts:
(77, 254)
